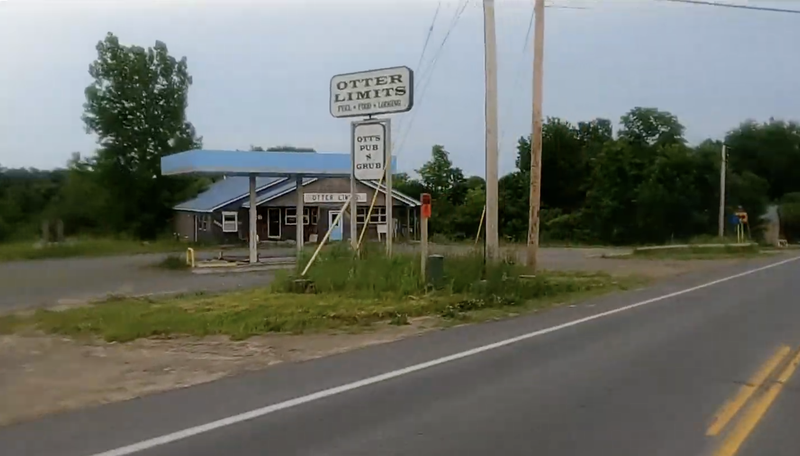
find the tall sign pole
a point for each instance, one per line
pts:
(536, 135)
(389, 196)
(490, 51)
(723, 165)
(367, 94)
(353, 196)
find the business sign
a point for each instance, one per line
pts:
(367, 93)
(369, 150)
(332, 197)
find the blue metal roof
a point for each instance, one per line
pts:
(277, 191)
(264, 164)
(226, 191)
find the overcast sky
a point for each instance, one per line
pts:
(261, 69)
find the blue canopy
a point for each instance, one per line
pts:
(261, 164)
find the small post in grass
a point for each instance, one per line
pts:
(426, 213)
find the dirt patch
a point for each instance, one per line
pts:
(45, 374)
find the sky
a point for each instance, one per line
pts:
(261, 69)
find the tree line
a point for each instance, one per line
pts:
(641, 184)
(644, 184)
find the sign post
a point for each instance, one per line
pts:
(389, 195)
(366, 94)
(742, 216)
(426, 214)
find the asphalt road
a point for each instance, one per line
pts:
(40, 283)
(44, 283)
(643, 373)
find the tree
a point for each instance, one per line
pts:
(649, 126)
(564, 158)
(438, 174)
(136, 106)
(290, 149)
(407, 185)
(770, 150)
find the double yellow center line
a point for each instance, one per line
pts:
(760, 405)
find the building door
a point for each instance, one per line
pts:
(336, 230)
(274, 223)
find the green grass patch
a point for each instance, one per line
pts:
(349, 294)
(694, 252)
(85, 248)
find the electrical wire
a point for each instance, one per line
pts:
(518, 78)
(430, 32)
(424, 81)
(734, 5)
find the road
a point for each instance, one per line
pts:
(644, 373)
(39, 283)
(44, 283)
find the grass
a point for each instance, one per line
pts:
(85, 248)
(173, 262)
(349, 295)
(697, 253)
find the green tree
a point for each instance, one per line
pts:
(438, 174)
(650, 126)
(407, 185)
(770, 150)
(136, 106)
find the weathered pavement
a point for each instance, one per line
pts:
(39, 283)
(644, 373)
(28, 284)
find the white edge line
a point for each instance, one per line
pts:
(259, 412)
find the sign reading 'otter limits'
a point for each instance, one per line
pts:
(367, 93)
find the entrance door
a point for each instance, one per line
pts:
(274, 223)
(336, 231)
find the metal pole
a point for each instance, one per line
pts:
(300, 219)
(722, 172)
(389, 194)
(423, 247)
(353, 199)
(253, 219)
(490, 50)
(536, 135)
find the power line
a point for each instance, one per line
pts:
(430, 32)
(518, 73)
(734, 5)
(424, 81)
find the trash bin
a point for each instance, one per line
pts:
(435, 270)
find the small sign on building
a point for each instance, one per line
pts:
(332, 197)
(368, 93)
(369, 150)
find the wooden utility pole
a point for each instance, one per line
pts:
(490, 51)
(722, 172)
(536, 134)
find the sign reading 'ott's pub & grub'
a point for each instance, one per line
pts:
(369, 150)
(367, 93)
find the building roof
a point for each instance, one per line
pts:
(277, 191)
(226, 191)
(262, 164)
(236, 188)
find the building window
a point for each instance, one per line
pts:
(230, 222)
(378, 215)
(203, 222)
(290, 216)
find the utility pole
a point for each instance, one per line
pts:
(536, 134)
(490, 50)
(722, 172)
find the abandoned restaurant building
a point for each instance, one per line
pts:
(220, 214)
